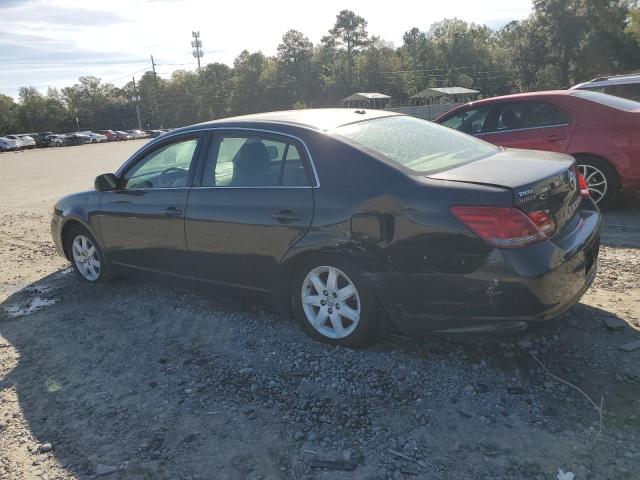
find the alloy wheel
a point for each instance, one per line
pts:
(330, 302)
(596, 181)
(86, 258)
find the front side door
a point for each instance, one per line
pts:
(530, 125)
(142, 222)
(254, 200)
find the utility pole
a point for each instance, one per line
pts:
(155, 81)
(136, 99)
(197, 45)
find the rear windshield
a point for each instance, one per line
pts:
(422, 146)
(608, 100)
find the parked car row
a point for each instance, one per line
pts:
(117, 135)
(49, 139)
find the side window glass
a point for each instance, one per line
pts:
(542, 114)
(167, 167)
(294, 173)
(520, 115)
(244, 161)
(469, 121)
(630, 91)
(510, 117)
(252, 161)
(560, 117)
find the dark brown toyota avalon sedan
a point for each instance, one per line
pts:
(350, 218)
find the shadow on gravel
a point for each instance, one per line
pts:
(157, 383)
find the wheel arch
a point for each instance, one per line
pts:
(313, 245)
(586, 156)
(66, 228)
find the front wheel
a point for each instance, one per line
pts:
(86, 257)
(601, 179)
(334, 303)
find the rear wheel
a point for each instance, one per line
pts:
(334, 303)
(601, 179)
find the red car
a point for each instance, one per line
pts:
(601, 131)
(110, 134)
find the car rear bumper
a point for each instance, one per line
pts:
(512, 288)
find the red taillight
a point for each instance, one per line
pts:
(505, 227)
(584, 188)
(543, 221)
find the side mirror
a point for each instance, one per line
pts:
(106, 182)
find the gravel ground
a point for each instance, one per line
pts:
(140, 380)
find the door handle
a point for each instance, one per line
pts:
(172, 212)
(554, 138)
(286, 216)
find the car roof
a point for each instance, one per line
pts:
(612, 80)
(522, 96)
(317, 118)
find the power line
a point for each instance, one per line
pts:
(172, 64)
(128, 74)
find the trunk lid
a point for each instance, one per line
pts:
(540, 181)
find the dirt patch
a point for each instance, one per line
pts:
(138, 380)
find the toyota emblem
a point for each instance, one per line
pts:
(572, 180)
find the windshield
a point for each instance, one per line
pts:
(420, 145)
(608, 100)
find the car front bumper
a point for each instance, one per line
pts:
(511, 289)
(56, 231)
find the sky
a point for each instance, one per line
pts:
(53, 42)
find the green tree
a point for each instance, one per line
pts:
(582, 39)
(633, 27)
(8, 115)
(248, 86)
(350, 33)
(97, 105)
(214, 80)
(37, 112)
(295, 68)
(418, 56)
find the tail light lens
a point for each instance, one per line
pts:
(505, 227)
(584, 188)
(543, 221)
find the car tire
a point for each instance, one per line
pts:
(601, 178)
(323, 313)
(90, 265)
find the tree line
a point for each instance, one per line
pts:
(560, 43)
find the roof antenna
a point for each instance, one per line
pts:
(360, 112)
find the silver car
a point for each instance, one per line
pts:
(23, 141)
(625, 86)
(8, 144)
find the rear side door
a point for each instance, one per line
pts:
(253, 201)
(142, 222)
(531, 125)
